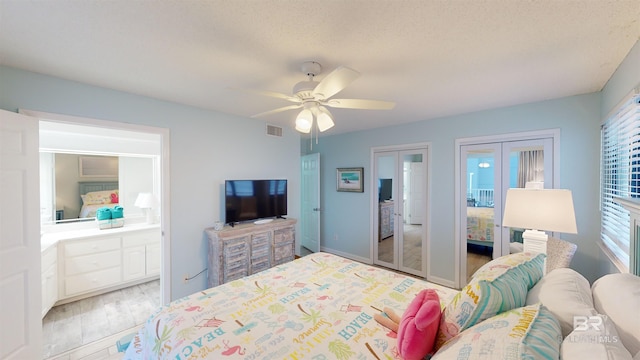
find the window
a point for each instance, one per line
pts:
(620, 177)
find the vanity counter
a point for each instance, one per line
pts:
(49, 239)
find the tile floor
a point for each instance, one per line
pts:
(96, 323)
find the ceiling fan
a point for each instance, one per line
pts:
(314, 97)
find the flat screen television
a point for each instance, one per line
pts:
(385, 189)
(254, 199)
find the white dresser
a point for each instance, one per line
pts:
(235, 252)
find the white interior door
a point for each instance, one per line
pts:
(20, 278)
(310, 209)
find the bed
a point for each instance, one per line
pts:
(480, 226)
(95, 195)
(320, 306)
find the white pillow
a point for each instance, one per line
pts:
(566, 294)
(597, 341)
(618, 296)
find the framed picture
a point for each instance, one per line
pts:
(350, 179)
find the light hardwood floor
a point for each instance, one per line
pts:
(412, 254)
(89, 328)
(475, 261)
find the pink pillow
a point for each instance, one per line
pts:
(419, 326)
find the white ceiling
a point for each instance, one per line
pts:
(433, 58)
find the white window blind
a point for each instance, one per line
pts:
(620, 175)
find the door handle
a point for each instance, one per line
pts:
(316, 209)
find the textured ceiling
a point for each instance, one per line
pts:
(433, 58)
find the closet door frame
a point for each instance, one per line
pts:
(460, 240)
(400, 150)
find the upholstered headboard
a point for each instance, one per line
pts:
(90, 186)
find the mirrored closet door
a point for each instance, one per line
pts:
(489, 170)
(400, 209)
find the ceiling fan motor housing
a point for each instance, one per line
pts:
(304, 89)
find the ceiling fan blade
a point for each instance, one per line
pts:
(360, 104)
(270, 94)
(333, 83)
(274, 111)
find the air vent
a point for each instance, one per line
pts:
(274, 130)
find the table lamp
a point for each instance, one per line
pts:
(147, 201)
(537, 211)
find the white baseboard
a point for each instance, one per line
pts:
(346, 255)
(441, 281)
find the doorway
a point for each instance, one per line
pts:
(399, 208)
(135, 146)
(486, 168)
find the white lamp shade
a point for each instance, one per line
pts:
(323, 117)
(146, 201)
(304, 120)
(540, 209)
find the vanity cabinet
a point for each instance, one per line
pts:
(49, 279)
(92, 264)
(138, 251)
(236, 252)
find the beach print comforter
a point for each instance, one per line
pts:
(320, 306)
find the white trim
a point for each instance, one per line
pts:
(165, 223)
(373, 221)
(635, 91)
(611, 256)
(346, 255)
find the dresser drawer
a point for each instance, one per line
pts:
(235, 272)
(261, 264)
(93, 262)
(92, 246)
(141, 238)
(284, 235)
(283, 253)
(261, 239)
(92, 281)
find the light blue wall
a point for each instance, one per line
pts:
(577, 118)
(206, 147)
(345, 225)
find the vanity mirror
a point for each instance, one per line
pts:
(73, 186)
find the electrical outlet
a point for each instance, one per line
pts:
(335, 237)
(185, 279)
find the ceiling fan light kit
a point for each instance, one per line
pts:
(304, 120)
(313, 96)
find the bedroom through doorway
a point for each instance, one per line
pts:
(72, 326)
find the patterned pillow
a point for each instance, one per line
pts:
(498, 286)
(529, 332)
(99, 197)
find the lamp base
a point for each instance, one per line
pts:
(535, 241)
(149, 213)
